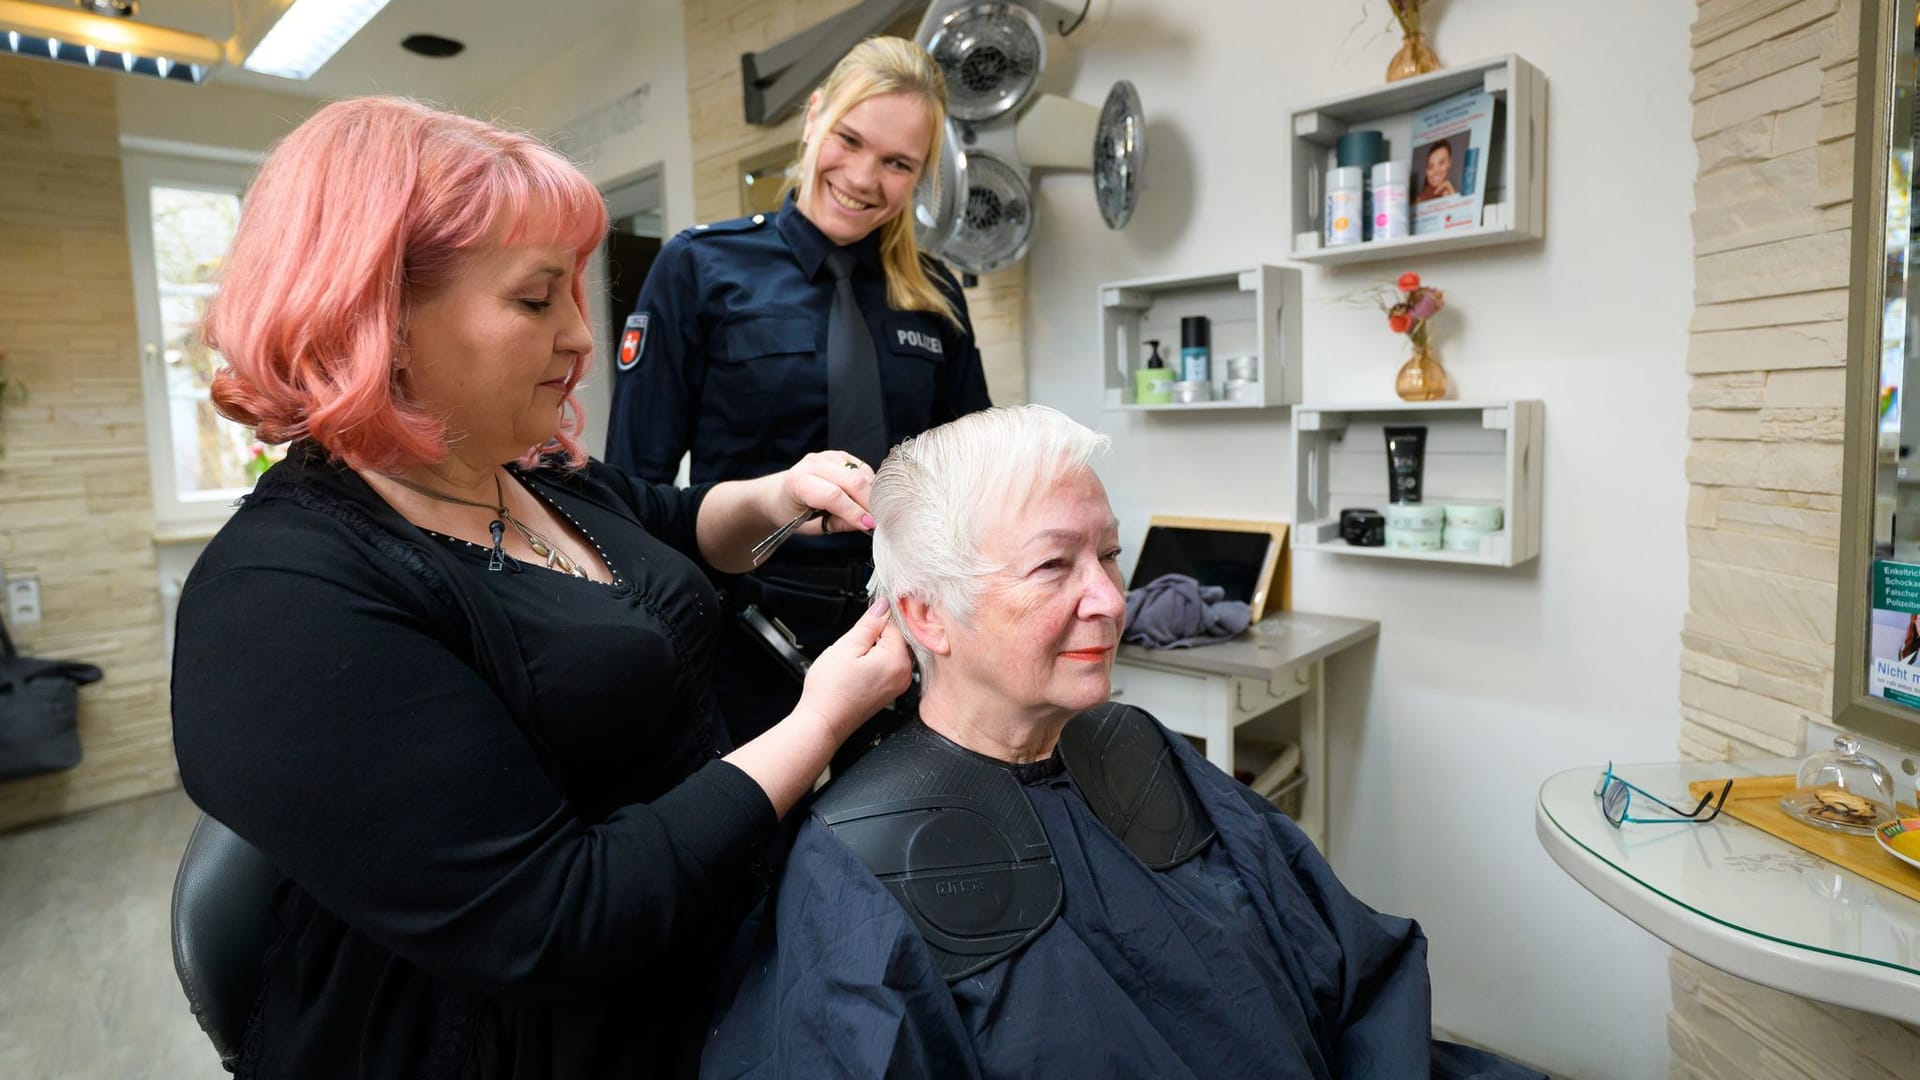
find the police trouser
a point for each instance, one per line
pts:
(754, 688)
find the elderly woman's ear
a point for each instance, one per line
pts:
(925, 623)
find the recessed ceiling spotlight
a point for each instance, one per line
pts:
(433, 45)
(119, 9)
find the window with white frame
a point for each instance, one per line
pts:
(181, 214)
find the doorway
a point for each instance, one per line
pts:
(635, 213)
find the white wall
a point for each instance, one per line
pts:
(212, 115)
(562, 97)
(1484, 682)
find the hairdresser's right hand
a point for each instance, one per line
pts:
(858, 675)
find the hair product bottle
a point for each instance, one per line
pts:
(1390, 220)
(1345, 205)
(1195, 348)
(1153, 384)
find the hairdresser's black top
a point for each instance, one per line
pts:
(510, 849)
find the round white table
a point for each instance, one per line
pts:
(1736, 897)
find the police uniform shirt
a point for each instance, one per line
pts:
(725, 354)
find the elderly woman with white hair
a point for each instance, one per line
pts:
(1030, 879)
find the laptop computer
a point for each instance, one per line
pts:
(1249, 560)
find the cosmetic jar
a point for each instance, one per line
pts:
(1243, 391)
(1413, 539)
(1417, 517)
(1243, 368)
(1363, 527)
(1188, 392)
(1484, 517)
(1465, 540)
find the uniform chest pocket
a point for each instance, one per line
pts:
(764, 377)
(916, 336)
(751, 339)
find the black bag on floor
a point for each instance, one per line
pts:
(39, 711)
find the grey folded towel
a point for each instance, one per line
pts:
(1174, 611)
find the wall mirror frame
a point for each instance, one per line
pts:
(1876, 672)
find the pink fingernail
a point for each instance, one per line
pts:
(866, 522)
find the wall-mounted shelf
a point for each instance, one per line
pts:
(1254, 311)
(1481, 451)
(1515, 203)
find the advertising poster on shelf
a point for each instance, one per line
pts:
(1450, 140)
(1893, 645)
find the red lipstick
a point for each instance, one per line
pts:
(1094, 655)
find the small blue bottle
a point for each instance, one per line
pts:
(1194, 351)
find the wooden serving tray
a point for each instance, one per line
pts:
(1756, 801)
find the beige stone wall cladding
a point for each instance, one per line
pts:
(718, 32)
(1773, 124)
(76, 508)
(1774, 96)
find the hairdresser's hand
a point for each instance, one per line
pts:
(857, 675)
(832, 481)
(853, 678)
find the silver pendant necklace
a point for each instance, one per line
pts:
(542, 545)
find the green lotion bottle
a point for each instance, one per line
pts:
(1153, 384)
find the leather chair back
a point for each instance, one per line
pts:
(222, 926)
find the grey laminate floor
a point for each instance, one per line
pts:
(87, 990)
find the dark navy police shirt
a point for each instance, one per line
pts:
(730, 358)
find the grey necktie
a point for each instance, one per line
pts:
(856, 420)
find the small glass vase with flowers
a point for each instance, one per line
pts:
(1409, 306)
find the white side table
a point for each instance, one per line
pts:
(1209, 691)
(1736, 897)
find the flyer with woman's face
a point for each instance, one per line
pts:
(1893, 646)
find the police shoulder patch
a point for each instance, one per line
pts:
(633, 341)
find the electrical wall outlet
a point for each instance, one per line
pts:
(23, 601)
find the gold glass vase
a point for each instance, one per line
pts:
(1421, 378)
(1414, 58)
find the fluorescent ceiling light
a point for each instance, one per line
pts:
(308, 35)
(75, 37)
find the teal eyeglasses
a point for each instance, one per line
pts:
(1616, 797)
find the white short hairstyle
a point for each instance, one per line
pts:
(935, 493)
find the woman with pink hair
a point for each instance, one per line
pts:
(452, 677)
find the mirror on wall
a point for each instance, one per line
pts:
(1877, 641)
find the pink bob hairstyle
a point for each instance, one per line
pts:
(368, 204)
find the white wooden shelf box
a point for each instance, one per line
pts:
(1515, 205)
(1476, 451)
(1253, 312)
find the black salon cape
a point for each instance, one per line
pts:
(1250, 959)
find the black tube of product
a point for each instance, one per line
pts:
(1406, 459)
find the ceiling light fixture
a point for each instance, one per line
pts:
(96, 41)
(308, 34)
(116, 9)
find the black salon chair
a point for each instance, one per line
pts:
(222, 925)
